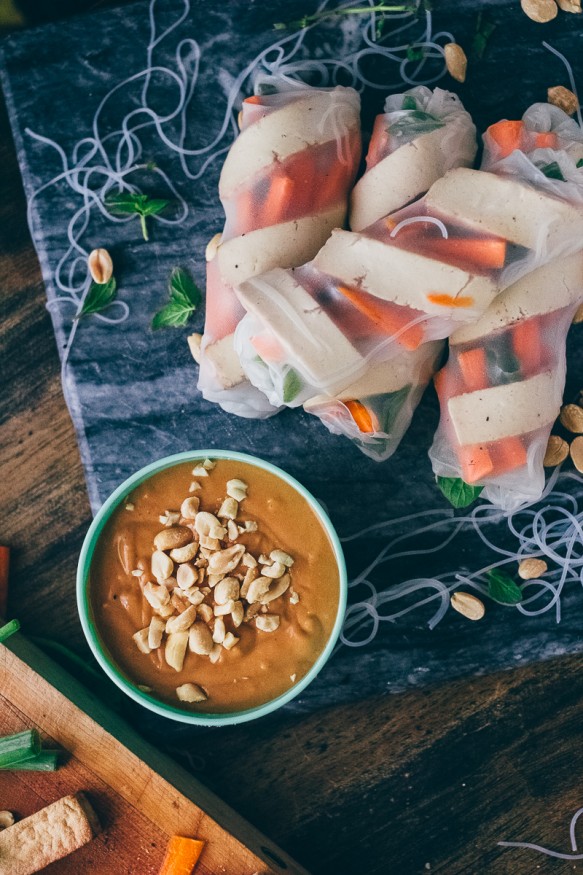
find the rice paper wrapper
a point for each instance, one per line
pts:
(420, 136)
(502, 387)
(284, 186)
(376, 411)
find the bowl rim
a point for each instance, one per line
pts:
(89, 627)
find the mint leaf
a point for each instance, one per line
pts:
(457, 491)
(99, 296)
(131, 203)
(414, 123)
(409, 102)
(292, 386)
(552, 170)
(502, 588)
(580, 162)
(184, 289)
(185, 296)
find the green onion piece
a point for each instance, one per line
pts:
(19, 747)
(8, 629)
(45, 761)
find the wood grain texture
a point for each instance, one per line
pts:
(109, 761)
(381, 787)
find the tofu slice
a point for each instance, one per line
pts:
(503, 206)
(505, 411)
(406, 174)
(288, 244)
(225, 362)
(388, 376)
(322, 352)
(551, 287)
(401, 276)
(313, 117)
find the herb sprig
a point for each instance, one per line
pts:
(99, 296)
(185, 296)
(130, 203)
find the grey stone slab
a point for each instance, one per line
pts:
(132, 393)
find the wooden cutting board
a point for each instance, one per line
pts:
(141, 796)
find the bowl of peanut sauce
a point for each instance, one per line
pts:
(211, 587)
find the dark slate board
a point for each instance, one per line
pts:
(132, 393)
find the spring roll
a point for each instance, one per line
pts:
(421, 135)
(501, 389)
(284, 187)
(376, 410)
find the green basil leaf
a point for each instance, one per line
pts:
(457, 491)
(292, 386)
(387, 407)
(183, 288)
(552, 170)
(151, 207)
(99, 296)
(185, 296)
(414, 123)
(414, 53)
(409, 102)
(173, 315)
(502, 588)
(124, 203)
(580, 162)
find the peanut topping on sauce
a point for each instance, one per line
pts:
(218, 602)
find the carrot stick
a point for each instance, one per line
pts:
(361, 416)
(4, 567)
(546, 140)
(389, 318)
(253, 99)
(476, 462)
(481, 252)
(182, 855)
(508, 454)
(277, 200)
(268, 348)
(527, 344)
(444, 300)
(508, 136)
(473, 366)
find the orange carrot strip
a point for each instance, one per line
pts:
(268, 348)
(527, 344)
(4, 567)
(546, 140)
(361, 416)
(508, 136)
(473, 366)
(182, 855)
(488, 252)
(444, 300)
(390, 318)
(508, 454)
(277, 200)
(253, 99)
(476, 462)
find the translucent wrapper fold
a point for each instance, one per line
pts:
(420, 136)
(502, 387)
(284, 186)
(376, 410)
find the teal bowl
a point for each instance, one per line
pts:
(115, 673)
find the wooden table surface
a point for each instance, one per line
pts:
(425, 781)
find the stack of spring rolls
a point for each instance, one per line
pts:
(351, 324)
(284, 186)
